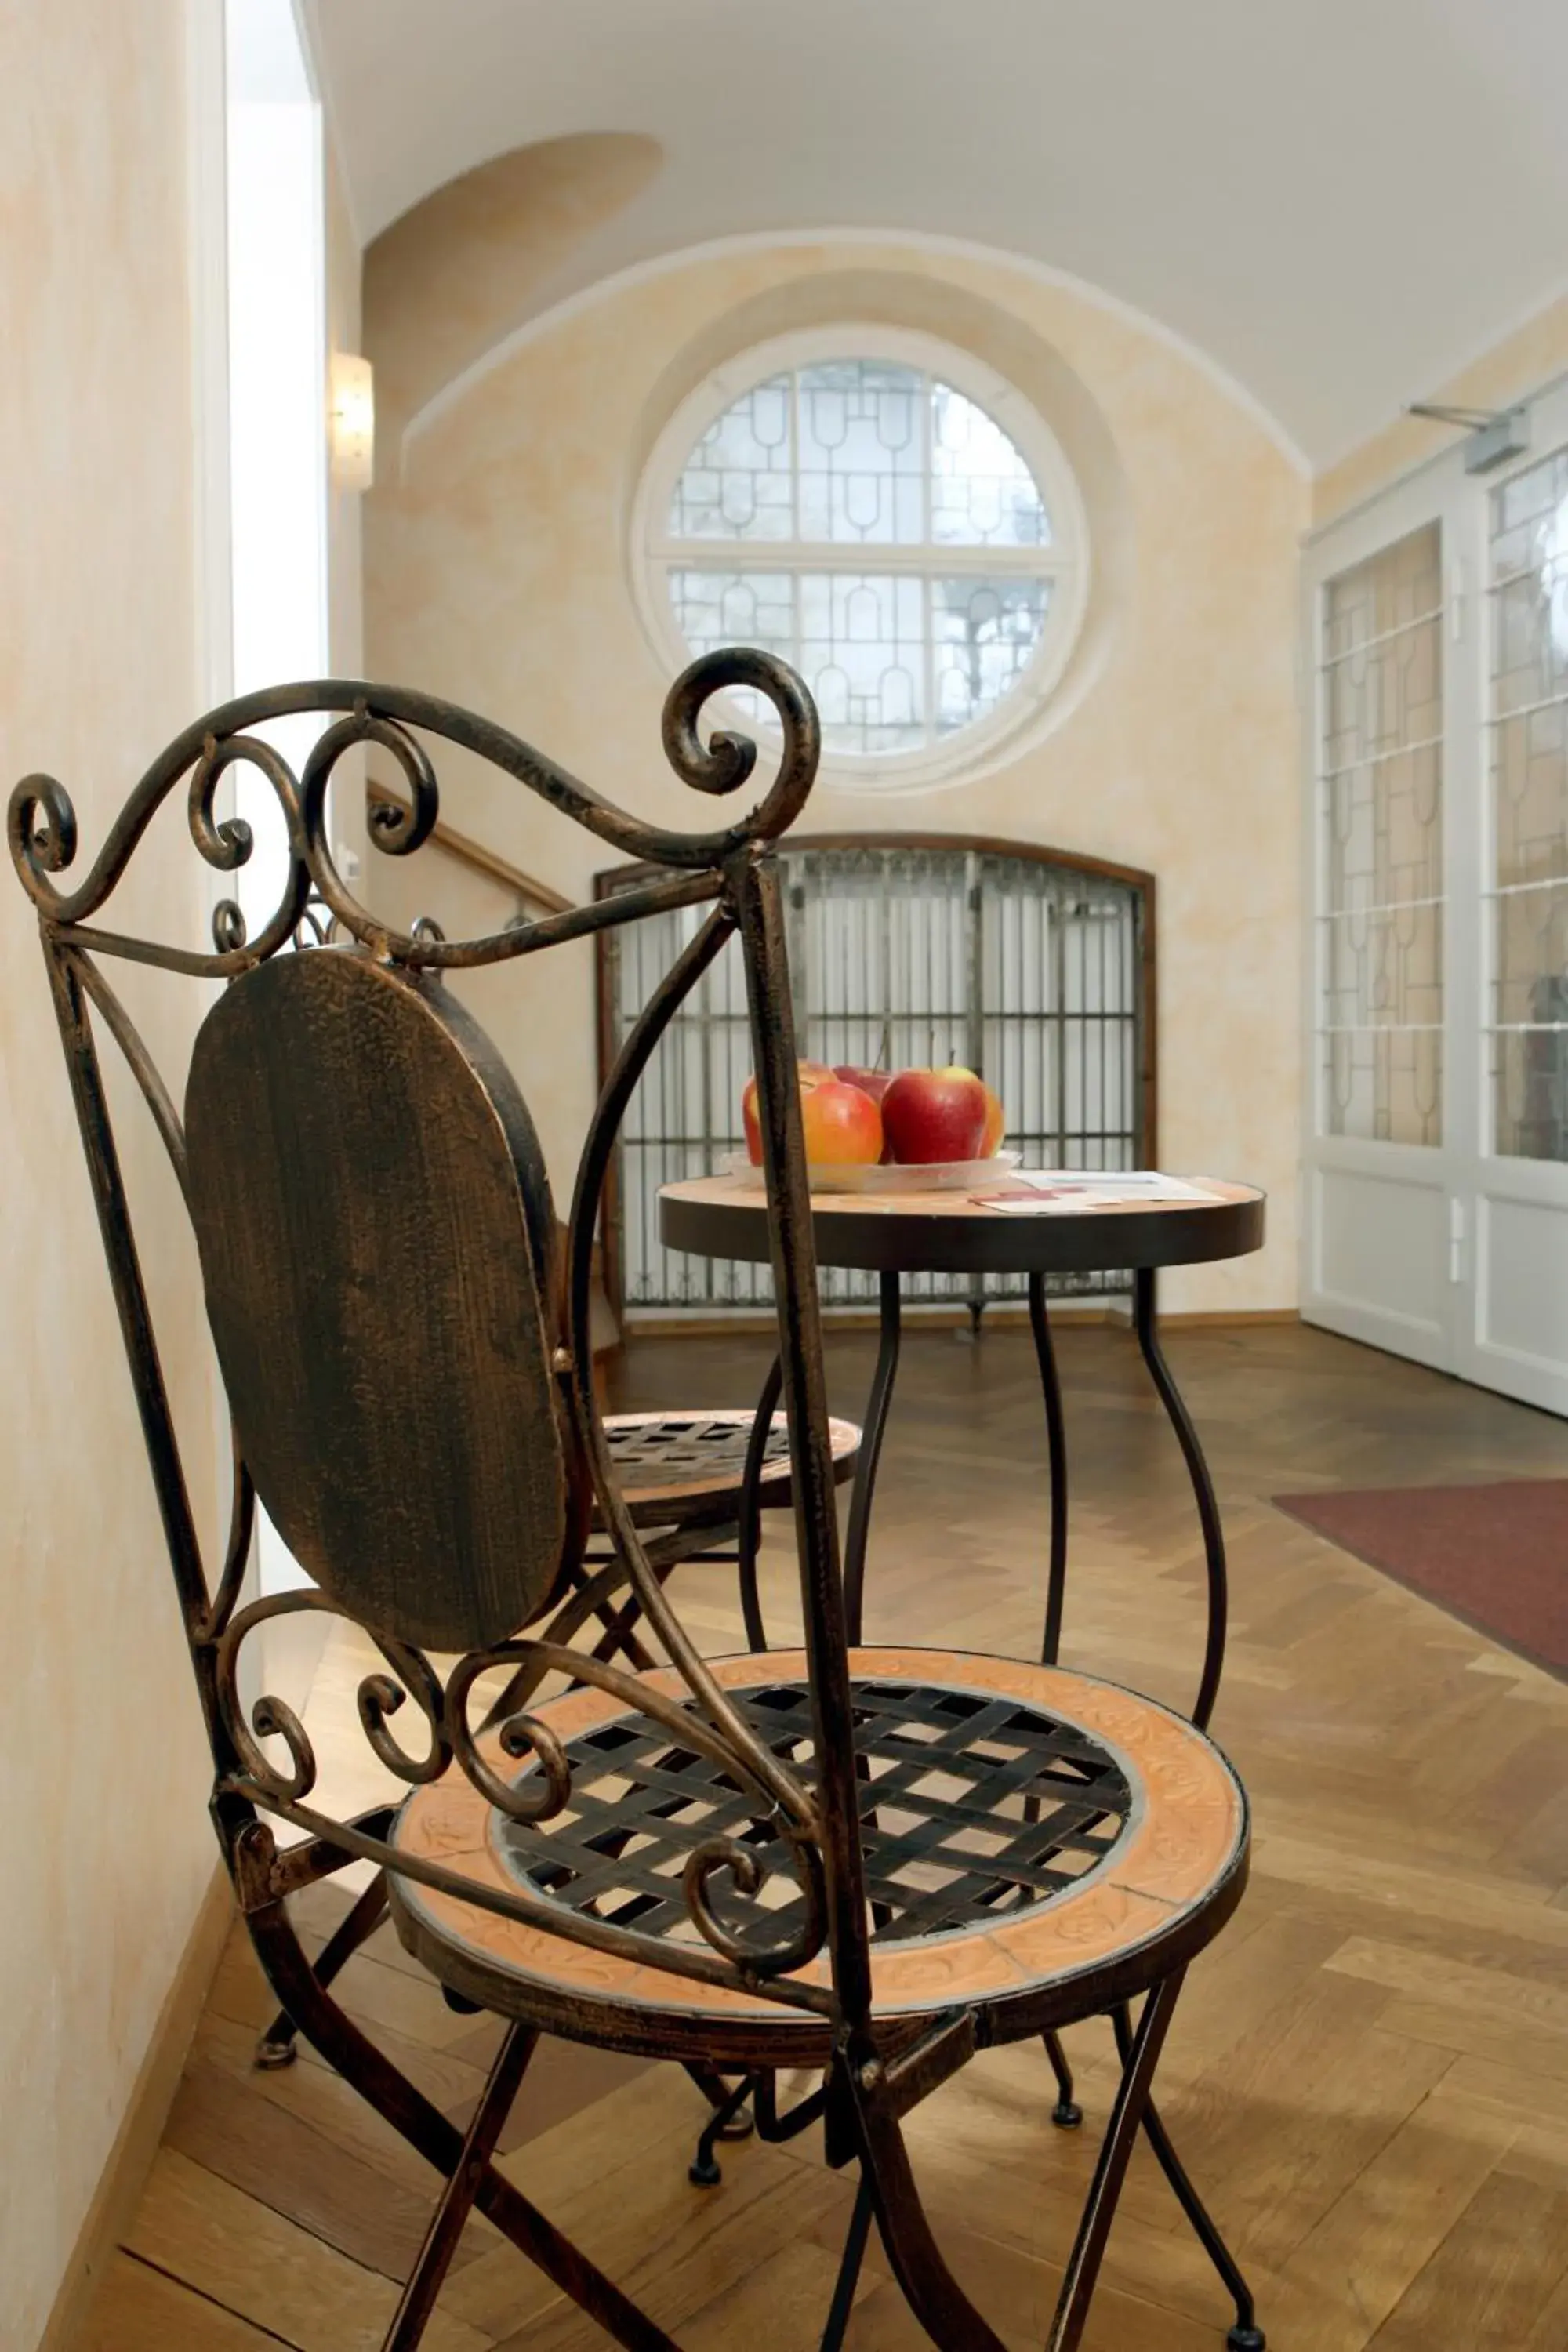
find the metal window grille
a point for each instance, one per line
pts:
(1030, 968)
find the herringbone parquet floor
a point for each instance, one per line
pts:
(1368, 2075)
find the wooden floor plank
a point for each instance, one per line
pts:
(138, 2309)
(301, 2172)
(1493, 2277)
(238, 2252)
(1355, 2265)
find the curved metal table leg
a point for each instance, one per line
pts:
(1067, 2115)
(1143, 1318)
(1057, 1451)
(748, 1534)
(870, 1453)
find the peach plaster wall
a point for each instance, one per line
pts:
(105, 1849)
(497, 574)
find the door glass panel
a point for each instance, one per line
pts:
(1528, 582)
(1381, 797)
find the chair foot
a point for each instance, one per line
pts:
(275, 2047)
(735, 2121)
(1067, 2115)
(1246, 2340)
(726, 2122)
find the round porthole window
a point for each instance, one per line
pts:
(890, 517)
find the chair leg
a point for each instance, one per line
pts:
(931, 2292)
(1245, 2335)
(388, 2090)
(275, 2047)
(456, 2201)
(704, 2169)
(748, 1534)
(860, 1494)
(1057, 1455)
(1067, 2115)
(849, 2277)
(716, 2091)
(1111, 2171)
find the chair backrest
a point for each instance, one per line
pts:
(407, 1363)
(376, 1237)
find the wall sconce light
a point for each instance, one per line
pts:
(354, 421)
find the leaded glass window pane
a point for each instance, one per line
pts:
(985, 633)
(1528, 576)
(862, 653)
(740, 482)
(983, 493)
(862, 454)
(1381, 788)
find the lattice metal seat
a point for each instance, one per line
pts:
(687, 1469)
(1035, 1843)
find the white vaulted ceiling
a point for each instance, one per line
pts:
(1338, 202)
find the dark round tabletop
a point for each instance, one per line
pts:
(949, 1233)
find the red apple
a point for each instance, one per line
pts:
(811, 1074)
(930, 1114)
(995, 1126)
(843, 1125)
(874, 1083)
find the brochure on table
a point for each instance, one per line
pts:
(1078, 1191)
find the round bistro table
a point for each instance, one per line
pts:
(895, 1233)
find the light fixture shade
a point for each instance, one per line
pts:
(354, 421)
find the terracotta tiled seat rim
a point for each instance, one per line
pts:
(1164, 1892)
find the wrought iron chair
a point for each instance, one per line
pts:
(870, 1864)
(697, 1485)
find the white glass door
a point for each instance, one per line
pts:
(1386, 1095)
(1436, 1115)
(1516, 1334)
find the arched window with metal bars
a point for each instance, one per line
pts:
(1035, 967)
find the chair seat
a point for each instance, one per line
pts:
(1039, 1845)
(686, 1469)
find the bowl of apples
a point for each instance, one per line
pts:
(888, 1131)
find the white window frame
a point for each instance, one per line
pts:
(1023, 713)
